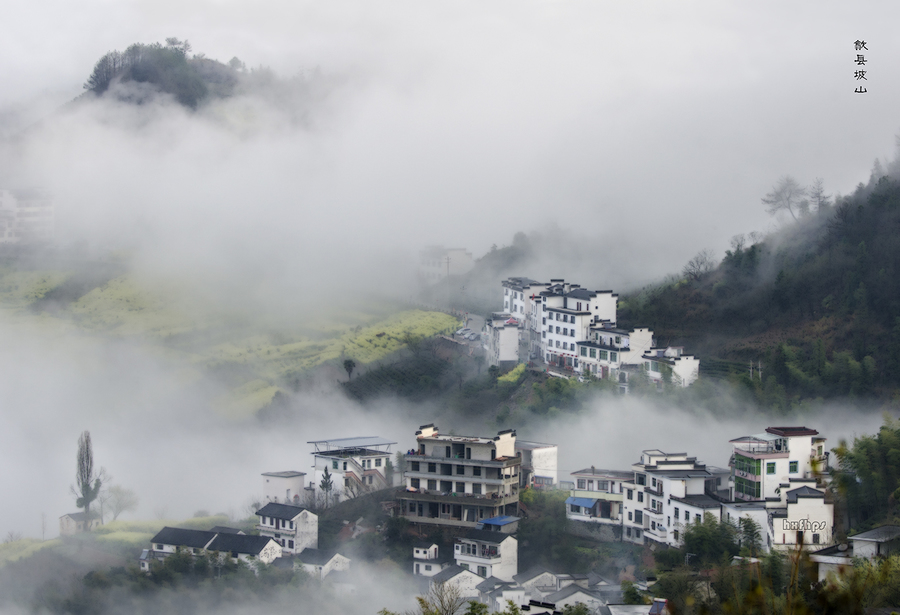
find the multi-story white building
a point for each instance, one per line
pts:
(598, 497)
(488, 554)
(574, 329)
(762, 463)
(501, 340)
(284, 487)
(460, 480)
(539, 467)
(355, 465)
(292, 527)
(669, 491)
(522, 299)
(567, 314)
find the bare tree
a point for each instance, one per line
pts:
(12, 536)
(738, 242)
(87, 482)
(441, 599)
(121, 500)
(785, 196)
(702, 263)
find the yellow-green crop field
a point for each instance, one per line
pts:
(257, 360)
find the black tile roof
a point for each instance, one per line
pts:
(531, 573)
(315, 557)
(239, 543)
(486, 536)
(221, 529)
(884, 533)
(699, 501)
(280, 511)
(803, 492)
(181, 537)
(449, 572)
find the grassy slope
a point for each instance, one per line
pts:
(252, 361)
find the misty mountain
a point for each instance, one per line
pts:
(143, 72)
(815, 304)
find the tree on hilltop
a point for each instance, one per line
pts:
(785, 196)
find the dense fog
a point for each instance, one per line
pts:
(641, 133)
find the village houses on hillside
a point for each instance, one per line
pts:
(470, 485)
(574, 330)
(774, 478)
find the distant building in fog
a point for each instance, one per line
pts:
(73, 523)
(437, 263)
(26, 217)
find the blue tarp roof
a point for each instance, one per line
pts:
(587, 503)
(501, 520)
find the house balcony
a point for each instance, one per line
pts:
(748, 475)
(460, 478)
(459, 459)
(487, 557)
(657, 491)
(596, 495)
(745, 497)
(656, 515)
(465, 499)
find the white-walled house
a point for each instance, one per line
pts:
(284, 487)
(539, 467)
(871, 545)
(461, 578)
(522, 299)
(246, 548)
(292, 527)
(319, 564)
(240, 547)
(734, 511)
(801, 516)
(501, 340)
(73, 523)
(669, 491)
(488, 554)
(428, 560)
(597, 498)
(356, 465)
(763, 462)
(683, 370)
(460, 480)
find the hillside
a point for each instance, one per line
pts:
(815, 305)
(252, 357)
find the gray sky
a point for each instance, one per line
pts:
(652, 128)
